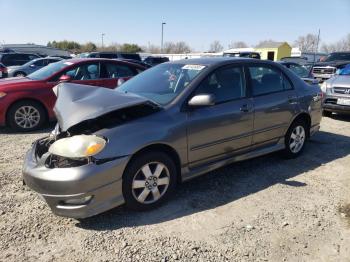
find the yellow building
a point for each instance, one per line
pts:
(274, 50)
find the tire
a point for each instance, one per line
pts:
(139, 192)
(295, 139)
(326, 113)
(26, 116)
(18, 74)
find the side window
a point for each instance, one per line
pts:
(31, 57)
(225, 84)
(85, 72)
(117, 70)
(49, 61)
(40, 62)
(265, 80)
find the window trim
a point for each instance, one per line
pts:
(268, 66)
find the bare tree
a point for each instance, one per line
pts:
(264, 42)
(307, 43)
(176, 48)
(153, 49)
(341, 45)
(237, 44)
(216, 46)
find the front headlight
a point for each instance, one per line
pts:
(2, 94)
(324, 87)
(78, 146)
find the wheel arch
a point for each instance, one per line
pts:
(303, 116)
(164, 148)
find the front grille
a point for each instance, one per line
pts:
(324, 70)
(342, 90)
(332, 101)
(54, 161)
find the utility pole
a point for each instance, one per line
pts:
(161, 45)
(102, 35)
(318, 41)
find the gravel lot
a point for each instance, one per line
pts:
(266, 209)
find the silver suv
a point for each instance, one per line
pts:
(337, 93)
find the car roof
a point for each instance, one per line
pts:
(82, 60)
(212, 61)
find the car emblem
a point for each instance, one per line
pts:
(322, 71)
(347, 91)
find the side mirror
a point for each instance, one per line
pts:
(65, 78)
(120, 81)
(202, 100)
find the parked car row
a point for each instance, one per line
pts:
(26, 103)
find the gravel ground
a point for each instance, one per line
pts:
(266, 209)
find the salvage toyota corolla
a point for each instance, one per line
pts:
(171, 123)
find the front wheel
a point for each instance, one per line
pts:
(295, 139)
(149, 180)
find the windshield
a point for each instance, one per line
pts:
(301, 71)
(345, 71)
(162, 83)
(49, 70)
(338, 56)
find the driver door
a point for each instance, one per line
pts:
(224, 129)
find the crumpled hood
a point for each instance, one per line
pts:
(76, 103)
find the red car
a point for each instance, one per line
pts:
(26, 103)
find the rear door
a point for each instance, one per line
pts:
(275, 103)
(111, 72)
(219, 131)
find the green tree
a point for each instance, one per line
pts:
(130, 48)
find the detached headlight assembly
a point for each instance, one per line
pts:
(78, 146)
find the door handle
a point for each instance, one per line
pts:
(245, 108)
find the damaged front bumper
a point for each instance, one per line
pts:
(76, 191)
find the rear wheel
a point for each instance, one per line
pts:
(26, 116)
(149, 180)
(326, 113)
(295, 139)
(20, 74)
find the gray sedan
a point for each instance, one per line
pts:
(31, 66)
(171, 123)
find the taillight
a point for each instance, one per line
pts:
(3, 69)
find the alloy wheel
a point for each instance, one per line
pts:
(27, 117)
(150, 182)
(297, 139)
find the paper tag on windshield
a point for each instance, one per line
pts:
(193, 67)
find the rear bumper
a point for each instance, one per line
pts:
(100, 184)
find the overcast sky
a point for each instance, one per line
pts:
(196, 22)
